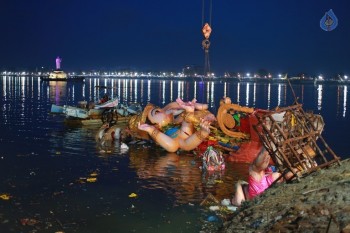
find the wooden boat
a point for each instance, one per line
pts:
(70, 111)
(129, 109)
(56, 109)
(90, 113)
(84, 113)
(113, 103)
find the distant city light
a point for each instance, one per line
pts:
(169, 74)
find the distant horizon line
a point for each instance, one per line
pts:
(231, 73)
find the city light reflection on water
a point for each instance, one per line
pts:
(345, 94)
(43, 158)
(319, 97)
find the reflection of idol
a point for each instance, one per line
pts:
(57, 91)
(177, 175)
(180, 175)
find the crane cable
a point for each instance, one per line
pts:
(210, 11)
(206, 30)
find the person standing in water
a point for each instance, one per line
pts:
(260, 178)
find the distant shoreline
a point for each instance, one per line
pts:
(221, 79)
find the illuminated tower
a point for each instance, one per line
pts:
(205, 44)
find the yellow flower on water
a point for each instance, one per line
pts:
(94, 174)
(5, 197)
(133, 195)
(91, 179)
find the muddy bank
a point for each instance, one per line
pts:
(319, 202)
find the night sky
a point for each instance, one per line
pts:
(165, 35)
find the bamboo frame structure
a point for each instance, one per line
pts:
(293, 139)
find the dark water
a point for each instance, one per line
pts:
(43, 161)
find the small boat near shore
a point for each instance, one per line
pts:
(86, 113)
(103, 111)
(129, 109)
(56, 109)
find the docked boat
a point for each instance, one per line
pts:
(129, 109)
(97, 113)
(108, 104)
(83, 111)
(56, 109)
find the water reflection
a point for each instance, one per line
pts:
(269, 96)
(161, 92)
(60, 154)
(247, 95)
(238, 92)
(342, 96)
(319, 97)
(180, 176)
(58, 92)
(282, 95)
(174, 175)
(345, 99)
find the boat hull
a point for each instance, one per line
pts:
(82, 113)
(56, 108)
(109, 104)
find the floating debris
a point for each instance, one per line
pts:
(28, 221)
(94, 174)
(5, 197)
(133, 195)
(91, 179)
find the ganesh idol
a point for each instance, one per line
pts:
(179, 125)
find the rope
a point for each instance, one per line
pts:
(202, 13)
(210, 11)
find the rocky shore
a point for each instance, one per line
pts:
(319, 202)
